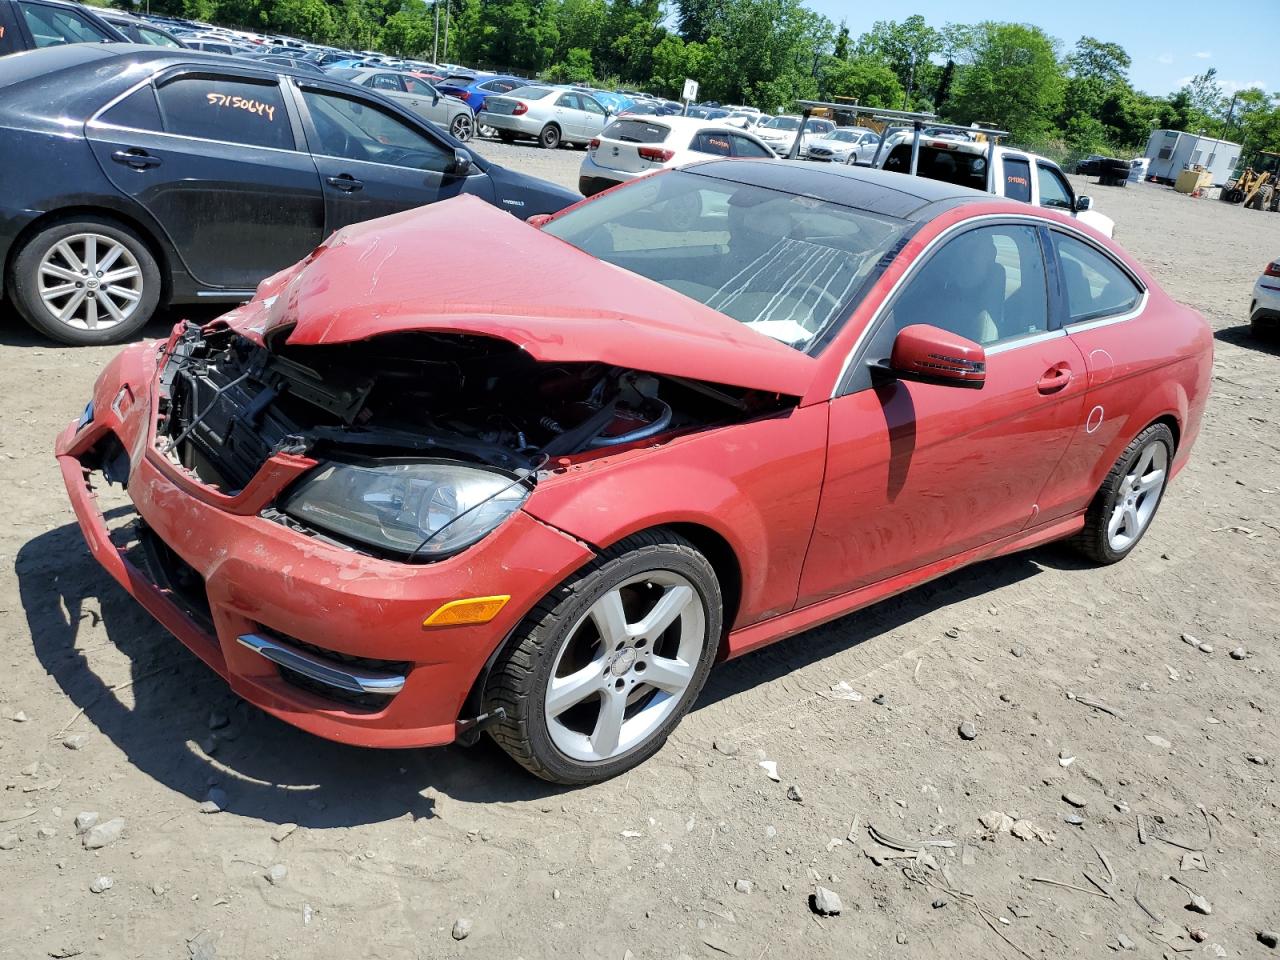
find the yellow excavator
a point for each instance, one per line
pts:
(1258, 187)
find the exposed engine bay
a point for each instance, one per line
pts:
(228, 404)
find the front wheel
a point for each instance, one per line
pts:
(86, 282)
(462, 127)
(1123, 509)
(549, 138)
(604, 668)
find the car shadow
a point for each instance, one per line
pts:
(16, 332)
(1243, 336)
(157, 711)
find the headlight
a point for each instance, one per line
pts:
(424, 509)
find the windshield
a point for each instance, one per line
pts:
(845, 136)
(784, 123)
(786, 266)
(530, 93)
(819, 126)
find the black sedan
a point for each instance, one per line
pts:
(136, 176)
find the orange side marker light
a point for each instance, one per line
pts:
(472, 610)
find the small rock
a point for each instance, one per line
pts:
(218, 719)
(1074, 819)
(842, 691)
(19, 717)
(46, 833)
(101, 885)
(901, 937)
(996, 822)
(1188, 638)
(1268, 938)
(879, 699)
(157, 889)
(1205, 648)
(461, 928)
(1239, 653)
(770, 767)
(825, 902)
(743, 886)
(1121, 806)
(1017, 651)
(9, 841)
(307, 914)
(214, 801)
(75, 741)
(1199, 904)
(1074, 799)
(555, 894)
(1198, 935)
(1126, 943)
(793, 793)
(727, 747)
(209, 746)
(939, 904)
(101, 834)
(968, 731)
(86, 820)
(1157, 741)
(203, 946)
(277, 873)
(31, 769)
(282, 832)
(953, 632)
(1257, 758)
(1065, 758)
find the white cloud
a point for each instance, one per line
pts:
(1165, 58)
(1202, 55)
(1230, 87)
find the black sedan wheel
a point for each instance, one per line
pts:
(462, 127)
(86, 282)
(549, 138)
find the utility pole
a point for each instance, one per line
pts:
(447, 6)
(435, 45)
(1226, 124)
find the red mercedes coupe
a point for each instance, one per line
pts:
(691, 416)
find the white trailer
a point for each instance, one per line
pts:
(1172, 151)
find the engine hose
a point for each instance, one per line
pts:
(657, 426)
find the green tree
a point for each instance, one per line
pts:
(576, 67)
(1094, 59)
(1014, 80)
(579, 24)
(841, 51)
(410, 32)
(865, 79)
(907, 48)
(699, 19)
(311, 19)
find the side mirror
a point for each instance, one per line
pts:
(461, 163)
(929, 354)
(538, 220)
(1083, 204)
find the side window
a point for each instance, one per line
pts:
(138, 111)
(8, 32)
(987, 285)
(356, 130)
(386, 81)
(1054, 191)
(220, 108)
(743, 147)
(419, 87)
(52, 26)
(498, 86)
(569, 100)
(156, 38)
(1096, 286)
(711, 141)
(591, 106)
(1017, 179)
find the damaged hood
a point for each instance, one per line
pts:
(463, 266)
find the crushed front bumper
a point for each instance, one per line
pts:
(265, 588)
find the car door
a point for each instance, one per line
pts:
(744, 146)
(918, 472)
(50, 26)
(212, 156)
(715, 143)
(373, 162)
(424, 100)
(593, 117)
(1052, 189)
(567, 113)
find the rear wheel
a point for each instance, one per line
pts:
(85, 282)
(604, 668)
(1123, 509)
(549, 138)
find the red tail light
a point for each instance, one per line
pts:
(594, 144)
(1273, 269)
(521, 107)
(656, 154)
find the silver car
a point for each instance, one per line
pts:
(550, 115)
(845, 145)
(417, 95)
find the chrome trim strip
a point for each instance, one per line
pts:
(220, 294)
(320, 670)
(1107, 321)
(1025, 341)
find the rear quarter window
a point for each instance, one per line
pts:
(1017, 179)
(1096, 286)
(137, 111)
(637, 131)
(234, 111)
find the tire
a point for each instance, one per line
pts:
(44, 253)
(462, 127)
(1110, 532)
(569, 742)
(549, 138)
(1264, 328)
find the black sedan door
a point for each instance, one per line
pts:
(213, 157)
(373, 161)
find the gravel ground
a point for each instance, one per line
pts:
(394, 850)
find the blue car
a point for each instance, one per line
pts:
(476, 89)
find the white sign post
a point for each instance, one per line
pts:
(689, 94)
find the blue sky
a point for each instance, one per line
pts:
(1169, 41)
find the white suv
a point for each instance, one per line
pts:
(1019, 175)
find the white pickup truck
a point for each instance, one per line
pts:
(954, 156)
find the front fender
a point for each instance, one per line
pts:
(756, 485)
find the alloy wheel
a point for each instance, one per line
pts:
(90, 281)
(1138, 497)
(625, 666)
(461, 128)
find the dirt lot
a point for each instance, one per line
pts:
(392, 848)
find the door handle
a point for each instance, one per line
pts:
(136, 157)
(1054, 379)
(345, 182)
